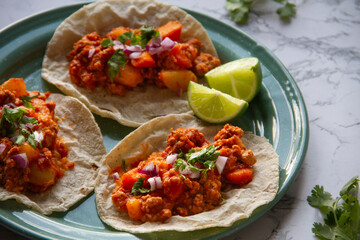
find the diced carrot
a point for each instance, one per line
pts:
(177, 80)
(15, 85)
(31, 153)
(130, 177)
(241, 176)
(117, 32)
(145, 60)
(171, 30)
(182, 60)
(133, 206)
(129, 76)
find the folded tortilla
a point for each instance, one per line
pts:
(151, 137)
(86, 149)
(143, 103)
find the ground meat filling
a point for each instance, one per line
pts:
(89, 60)
(27, 165)
(179, 193)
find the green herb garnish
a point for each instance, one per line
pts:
(117, 60)
(205, 156)
(12, 123)
(138, 187)
(239, 10)
(342, 215)
(27, 100)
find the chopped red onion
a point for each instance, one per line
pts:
(21, 160)
(2, 148)
(168, 44)
(91, 52)
(155, 50)
(152, 184)
(220, 163)
(38, 136)
(13, 138)
(10, 105)
(156, 41)
(190, 173)
(155, 183)
(134, 48)
(118, 45)
(150, 170)
(116, 176)
(171, 159)
(158, 182)
(135, 55)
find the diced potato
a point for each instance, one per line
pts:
(41, 177)
(133, 206)
(31, 153)
(177, 80)
(15, 85)
(129, 76)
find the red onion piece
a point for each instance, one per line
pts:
(190, 173)
(168, 44)
(155, 50)
(21, 160)
(158, 182)
(116, 176)
(38, 136)
(135, 55)
(156, 41)
(150, 170)
(171, 159)
(2, 148)
(152, 184)
(91, 52)
(134, 48)
(220, 163)
(118, 45)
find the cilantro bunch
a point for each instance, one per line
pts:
(138, 187)
(15, 124)
(239, 10)
(119, 59)
(342, 215)
(205, 156)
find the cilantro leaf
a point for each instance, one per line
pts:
(342, 220)
(117, 60)
(287, 11)
(27, 100)
(322, 231)
(107, 42)
(147, 33)
(320, 199)
(138, 187)
(239, 10)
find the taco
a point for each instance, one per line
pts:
(49, 156)
(178, 173)
(129, 60)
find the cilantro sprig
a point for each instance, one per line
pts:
(205, 156)
(13, 122)
(119, 59)
(342, 215)
(27, 100)
(138, 187)
(239, 10)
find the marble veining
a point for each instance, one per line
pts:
(321, 49)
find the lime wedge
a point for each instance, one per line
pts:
(214, 106)
(240, 78)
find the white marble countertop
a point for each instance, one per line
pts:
(321, 49)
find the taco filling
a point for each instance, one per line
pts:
(126, 58)
(186, 178)
(32, 156)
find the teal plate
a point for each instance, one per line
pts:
(278, 112)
